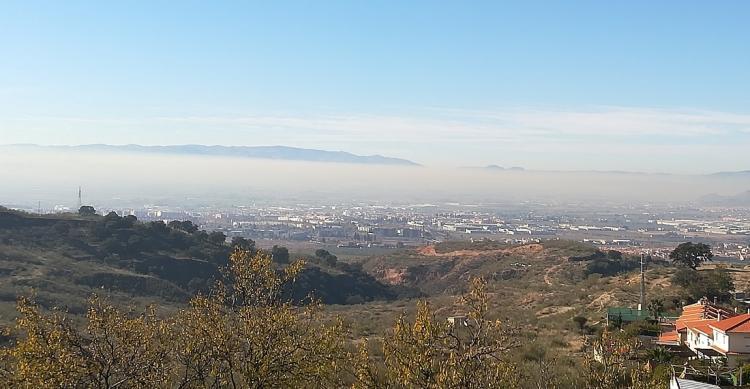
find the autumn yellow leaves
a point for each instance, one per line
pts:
(248, 333)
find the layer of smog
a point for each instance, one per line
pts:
(136, 178)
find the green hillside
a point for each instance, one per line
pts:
(63, 259)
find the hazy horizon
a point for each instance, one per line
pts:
(127, 178)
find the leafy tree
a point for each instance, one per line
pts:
(614, 254)
(706, 283)
(685, 277)
(241, 243)
(131, 220)
(691, 254)
(86, 210)
(656, 307)
(246, 335)
(243, 334)
(719, 283)
(186, 226)
(158, 227)
(328, 258)
(217, 237)
(431, 353)
(280, 254)
(114, 350)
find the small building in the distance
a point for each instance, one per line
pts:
(623, 315)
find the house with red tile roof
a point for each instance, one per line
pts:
(711, 331)
(731, 339)
(699, 327)
(693, 319)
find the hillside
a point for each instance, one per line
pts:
(63, 259)
(553, 280)
(445, 267)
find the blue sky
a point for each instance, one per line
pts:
(654, 86)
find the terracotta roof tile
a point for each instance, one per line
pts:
(704, 327)
(739, 323)
(669, 337)
(693, 314)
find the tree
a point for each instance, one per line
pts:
(86, 210)
(614, 254)
(217, 237)
(706, 283)
(656, 307)
(186, 226)
(581, 322)
(606, 362)
(322, 253)
(243, 334)
(241, 243)
(328, 258)
(114, 350)
(280, 254)
(718, 283)
(246, 335)
(685, 277)
(545, 368)
(431, 353)
(691, 254)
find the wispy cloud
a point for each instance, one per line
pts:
(515, 124)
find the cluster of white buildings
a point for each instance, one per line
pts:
(726, 226)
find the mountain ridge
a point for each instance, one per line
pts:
(261, 152)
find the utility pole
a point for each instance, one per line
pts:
(642, 301)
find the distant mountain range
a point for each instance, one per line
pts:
(261, 152)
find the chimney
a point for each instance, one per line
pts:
(718, 316)
(716, 300)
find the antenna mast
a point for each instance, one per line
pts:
(642, 301)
